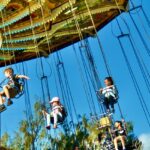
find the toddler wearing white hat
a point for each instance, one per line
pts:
(55, 114)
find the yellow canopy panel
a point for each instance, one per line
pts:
(105, 122)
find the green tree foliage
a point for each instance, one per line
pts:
(5, 139)
(32, 134)
(29, 135)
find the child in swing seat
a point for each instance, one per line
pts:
(11, 89)
(56, 115)
(110, 94)
(120, 135)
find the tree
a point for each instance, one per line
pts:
(29, 134)
(5, 140)
(132, 141)
(32, 134)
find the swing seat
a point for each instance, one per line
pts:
(16, 92)
(20, 91)
(60, 119)
(64, 112)
(108, 146)
(115, 100)
(13, 92)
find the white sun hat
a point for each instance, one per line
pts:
(54, 99)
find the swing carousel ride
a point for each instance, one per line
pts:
(31, 29)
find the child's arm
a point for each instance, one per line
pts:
(45, 113)
(59, 108)
(101, 90)
(23, 77)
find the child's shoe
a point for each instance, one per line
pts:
(2, 107)
(48, 127)
(9, 102)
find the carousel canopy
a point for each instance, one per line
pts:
(33, 28)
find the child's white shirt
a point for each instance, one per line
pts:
(110, 91)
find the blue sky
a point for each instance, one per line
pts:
(128, 98)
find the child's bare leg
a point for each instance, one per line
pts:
(48, 119)
(55, 119)
(116, 143)
(6, 91)
(1, 100)
(122, 141)
(2, 106)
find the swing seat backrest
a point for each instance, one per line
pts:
(16, 92)
(64, 112)
(20, 90)
(60, 119)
